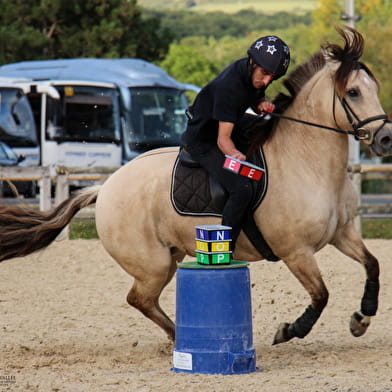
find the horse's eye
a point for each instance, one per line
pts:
(353, 93)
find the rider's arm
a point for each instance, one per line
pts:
(225, 143)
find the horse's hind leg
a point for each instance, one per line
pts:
(349, 242)
(304, 266)
(148, 286)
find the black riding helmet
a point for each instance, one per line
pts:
(271, 54)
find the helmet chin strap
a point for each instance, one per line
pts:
(251, 64)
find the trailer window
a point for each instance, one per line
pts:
(17, 127)
(157, 116)
(84, 114)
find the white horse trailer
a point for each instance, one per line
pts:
(90, 112)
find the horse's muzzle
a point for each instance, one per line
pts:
(382, 142)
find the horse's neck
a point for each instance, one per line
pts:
(322, 151)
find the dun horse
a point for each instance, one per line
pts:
(310, 201)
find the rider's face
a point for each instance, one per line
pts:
(261, 77)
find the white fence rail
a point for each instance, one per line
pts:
(31, 173)
(49, 177)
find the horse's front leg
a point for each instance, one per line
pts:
(351, 244)
(304, 266)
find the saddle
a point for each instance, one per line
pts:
(195, 193)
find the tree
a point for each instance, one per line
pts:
(187, 65)
(220, 24)
(376, 26)
(47, 29)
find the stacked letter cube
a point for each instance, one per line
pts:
(213, 244)
(243, 168)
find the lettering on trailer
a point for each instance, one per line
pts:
(75, 154)
(81, 154)
(30, 157)
(99, 154)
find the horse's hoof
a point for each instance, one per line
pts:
(282, 334)
(359, 324)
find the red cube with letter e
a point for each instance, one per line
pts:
(243, 168)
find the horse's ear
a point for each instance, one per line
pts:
(330, 62)
(326, 55)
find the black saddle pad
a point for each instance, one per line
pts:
(194, 193)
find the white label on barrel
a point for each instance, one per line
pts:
(182, 360)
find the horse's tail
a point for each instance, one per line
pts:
(24, 230)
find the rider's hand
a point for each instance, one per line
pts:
(238, 155)
(266, 106)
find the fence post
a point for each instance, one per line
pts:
(354, 172)
(62, 188)
(44, 193)
(62, 193)
(356, 178)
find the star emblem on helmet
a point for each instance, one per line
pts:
(259, 44)
(271, 49)
(272, 38)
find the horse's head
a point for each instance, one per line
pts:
(357, 89)
(352, 97)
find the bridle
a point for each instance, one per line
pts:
(359, 132)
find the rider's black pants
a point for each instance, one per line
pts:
(239, 189)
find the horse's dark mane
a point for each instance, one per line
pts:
(348, 56)
(304, 72)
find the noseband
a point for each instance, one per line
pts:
(361, 133)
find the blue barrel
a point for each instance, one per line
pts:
(214, 319)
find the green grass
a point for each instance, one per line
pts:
(232, 6)
(82, 228)
(378, 228)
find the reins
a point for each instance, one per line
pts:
(358, 131)
(313, 124)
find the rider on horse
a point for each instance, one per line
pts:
(217, 120)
